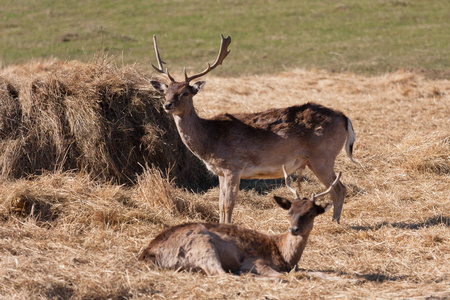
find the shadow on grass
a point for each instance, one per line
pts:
(432, 221)
(264, 186)
(375, 277)
(372, 277)
(261, 186)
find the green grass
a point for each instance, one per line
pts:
(363, 36)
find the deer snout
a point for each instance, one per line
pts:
(168, 106)
(294, 230)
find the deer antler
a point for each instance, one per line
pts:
(286, 179)
(222, 54)
(314, 197)
(160, 61)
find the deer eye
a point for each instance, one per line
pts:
(185, 94)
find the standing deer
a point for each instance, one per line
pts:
(254, 145)
(218, 249)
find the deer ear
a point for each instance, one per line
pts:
(324, 208)
(283, 202)
(196, 87)
(159, 87)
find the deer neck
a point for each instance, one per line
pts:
(291, 247)
(193, 131)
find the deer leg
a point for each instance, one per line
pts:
(260, 268)
(202, 253)
(299, 178)
(267, 271)
(229, 187)
(213, 267)
(222, 199)
(338, 195)
(325, 173)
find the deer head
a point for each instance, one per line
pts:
(303, 211)
(179, 94)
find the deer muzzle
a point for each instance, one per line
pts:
(294, 230)
(168, 106)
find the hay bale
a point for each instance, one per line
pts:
(95, 117)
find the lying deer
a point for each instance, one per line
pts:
(223, 248)
(254, 145)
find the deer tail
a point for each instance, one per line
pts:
(351, 137)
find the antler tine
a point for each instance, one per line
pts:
(160, 61)
(222, 54)
(286, 179)
(314, 197)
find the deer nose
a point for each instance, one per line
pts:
(294, 230)
(168, 105)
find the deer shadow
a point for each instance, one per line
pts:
(264, 186)
(431, 221)
(372, 277)
(379, 277)
(261, 186)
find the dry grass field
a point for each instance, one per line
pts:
(67, 235)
